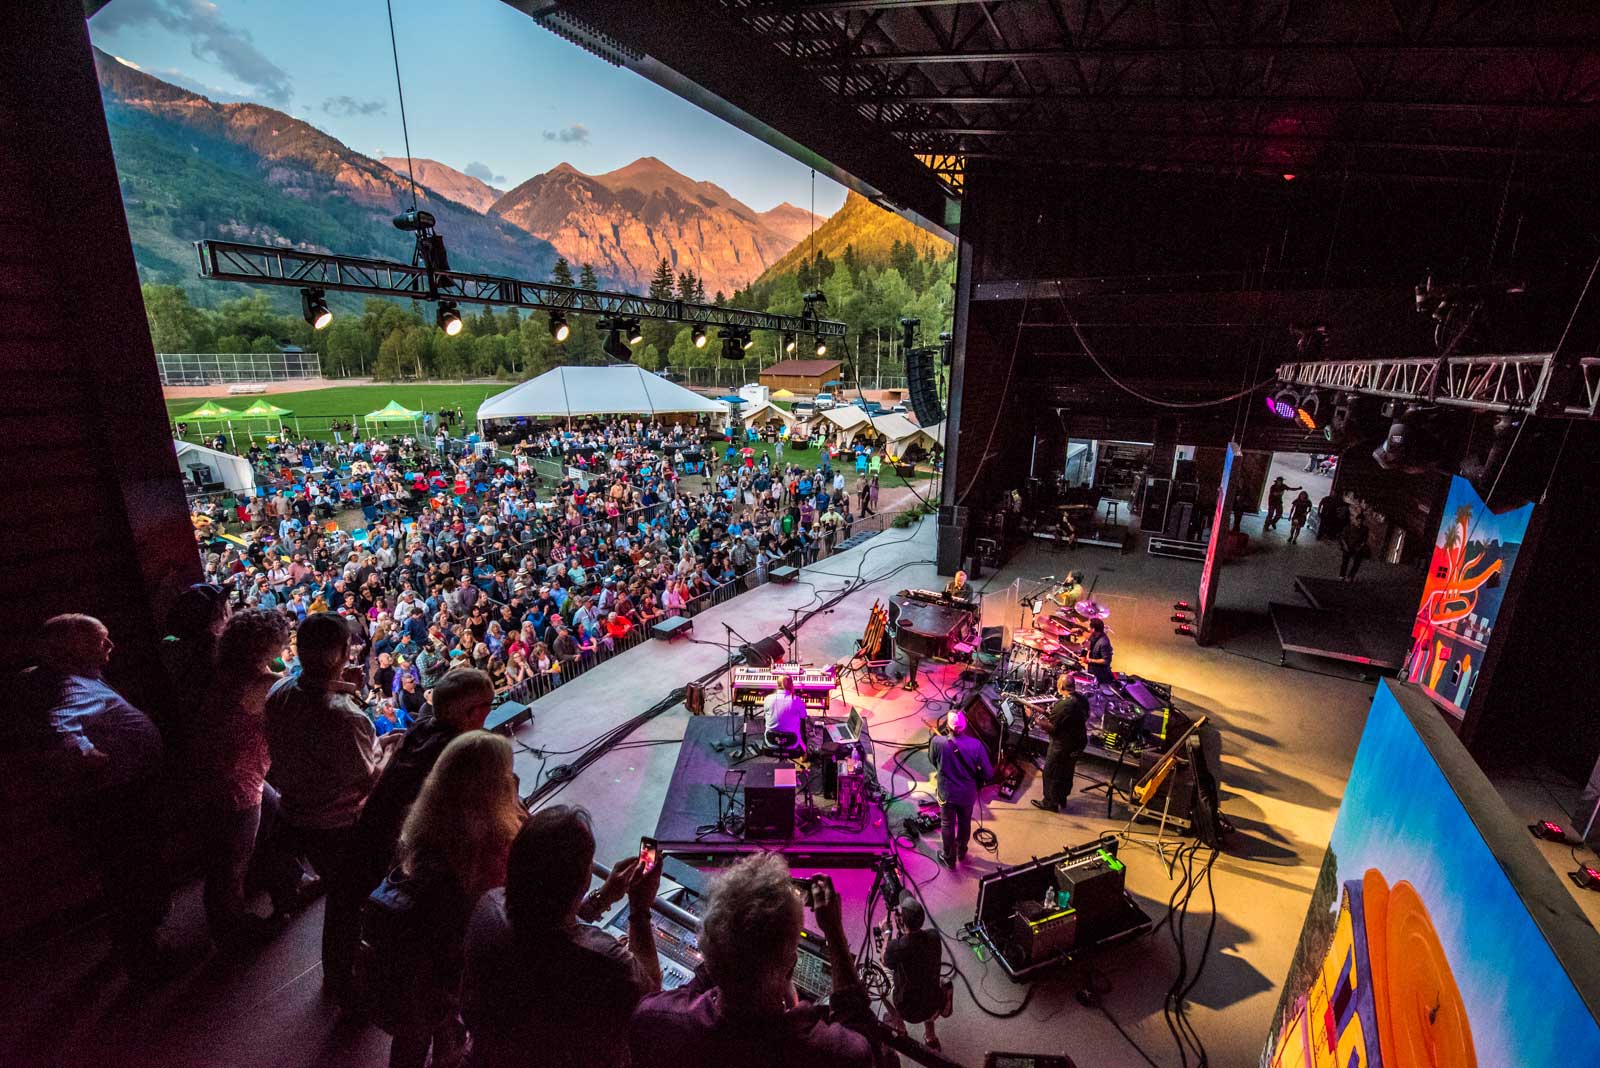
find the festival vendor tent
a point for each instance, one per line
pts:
(266, 413)
(209, 412)
(232, 471)
(849, 420)
(783, 394)
(393, 412)
(765, 412)
(900, 433)
(576, 392)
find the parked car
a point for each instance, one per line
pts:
(872, 408)
(899, 409)
(803, 409)
(824, 401)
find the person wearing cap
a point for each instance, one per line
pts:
(963, 765)
(915, 958)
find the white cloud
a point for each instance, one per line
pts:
(210, 39)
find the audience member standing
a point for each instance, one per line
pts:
(461, 703)
(452, 849)
(963, 766)
(325, 760)
(543, 988)
(115, 807)
(741, 1007)
(229, 749)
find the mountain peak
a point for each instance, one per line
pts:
(564, 168)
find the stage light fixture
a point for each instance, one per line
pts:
(734, 342)
(788, 343)
(698, 335)
(746, 342)
(1283, 403)
(448, 318)
(315, 309)
(559, 330)
(1411, 445)
(822, 347)
(634, 334)
(1309, 411)
(614, 347)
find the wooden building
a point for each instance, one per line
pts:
(800, 376)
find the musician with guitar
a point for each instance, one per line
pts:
(1069, 735)
(963, 766)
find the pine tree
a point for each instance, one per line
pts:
(685, 285)
(587, 279)
(661, 283)
(561, 274)
(699, 291)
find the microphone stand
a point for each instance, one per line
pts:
(736, 720)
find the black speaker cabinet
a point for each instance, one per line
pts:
(764, 653)
(922, 383)
(769, 793)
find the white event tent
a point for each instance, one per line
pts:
(234, 472)
(575, 392)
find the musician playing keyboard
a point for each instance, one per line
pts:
(786, 711)
(956, 588)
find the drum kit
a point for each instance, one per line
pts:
(1057, 643)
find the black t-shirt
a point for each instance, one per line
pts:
(1069, 721)
(561, 999)
(914, 958)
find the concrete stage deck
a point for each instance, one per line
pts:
(1288, 740)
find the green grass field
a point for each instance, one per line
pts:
(341, 402)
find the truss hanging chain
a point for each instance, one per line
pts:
(228, 261)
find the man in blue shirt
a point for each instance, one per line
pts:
(963, 766)
(115, 754)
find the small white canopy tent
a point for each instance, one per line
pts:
(848, 421)
(575, 392)
(234, 472)
(765, 412)
(900, 433)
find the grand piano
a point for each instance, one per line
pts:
(927, 624)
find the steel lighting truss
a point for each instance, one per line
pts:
(229, 261)
(1523, 382)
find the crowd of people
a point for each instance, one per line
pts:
(529, 564)
(454, 919)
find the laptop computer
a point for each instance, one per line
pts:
(848, 732)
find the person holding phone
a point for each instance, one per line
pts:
(742, 1007)
(543, 986)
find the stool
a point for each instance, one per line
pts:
(1113, 511)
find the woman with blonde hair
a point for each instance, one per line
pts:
(452, 849)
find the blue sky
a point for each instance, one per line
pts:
(1401, 816)
(487, 90)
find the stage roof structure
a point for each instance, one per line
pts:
(898, 92)
(568, 392)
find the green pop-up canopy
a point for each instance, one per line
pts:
(209, 412)
(393, 412)
(264, 409)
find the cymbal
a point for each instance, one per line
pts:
(1036, 640)
(1092, 610)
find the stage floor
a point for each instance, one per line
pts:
(706, 784)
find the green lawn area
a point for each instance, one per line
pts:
(316, 406)
(887, 477)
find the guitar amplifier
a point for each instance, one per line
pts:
(1043, 931)
(1092, 885)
